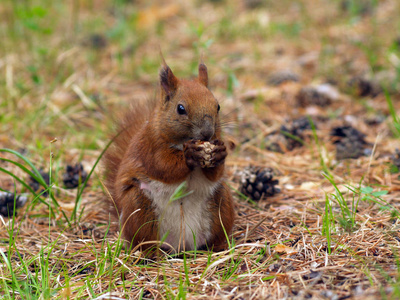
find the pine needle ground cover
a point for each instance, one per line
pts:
(309, 94)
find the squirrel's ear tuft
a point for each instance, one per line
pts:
(169, 83)
(203, 75)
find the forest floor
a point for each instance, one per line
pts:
(309, 93)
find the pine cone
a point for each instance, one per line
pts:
(206, 154)
(282, 77)
(96, 41)
(319, 96)
(257, 183)
(365, 87)
(289, 136)
(36, 186)
(7, 203)
(350, 143)
(74, 175)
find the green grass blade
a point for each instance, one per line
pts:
(29, 163)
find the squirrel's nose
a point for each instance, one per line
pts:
(206, 133)
(207, 129)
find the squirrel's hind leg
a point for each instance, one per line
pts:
(137, 219)
(223, 215)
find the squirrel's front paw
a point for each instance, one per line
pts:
(204, 154)
(218, 153)
(193, 154)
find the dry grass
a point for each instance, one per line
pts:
(68, 69)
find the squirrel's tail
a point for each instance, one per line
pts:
(127, 127)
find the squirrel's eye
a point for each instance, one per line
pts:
(181, 109)
(219, 107)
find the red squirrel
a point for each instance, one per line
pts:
(156, 150)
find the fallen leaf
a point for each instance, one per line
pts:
(284, 249)
(309, 186)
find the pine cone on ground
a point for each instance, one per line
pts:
(96, 41)
(282, 77)
(74, 175)
(257, 183)
(365, 87)
(296, 129)
(350, 143)
(36, 186)
(7, 203)
(289, 136)
(321, 95)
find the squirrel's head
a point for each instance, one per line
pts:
(188, 107)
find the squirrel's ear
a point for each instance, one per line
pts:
(169, 82)
(203, 75)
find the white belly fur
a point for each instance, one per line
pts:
(197, 219)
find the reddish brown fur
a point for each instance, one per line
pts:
(142, 150)
(222, 211)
